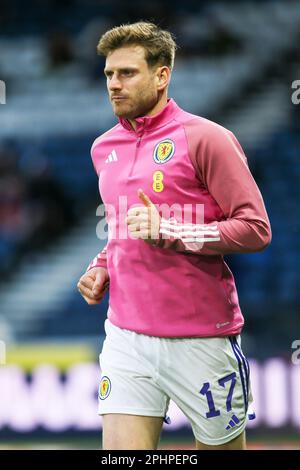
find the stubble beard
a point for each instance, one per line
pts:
(139, 109)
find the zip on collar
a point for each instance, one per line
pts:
(152, 122)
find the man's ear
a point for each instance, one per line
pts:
(163, 77)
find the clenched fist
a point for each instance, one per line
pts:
(144, 221)
(93, 285)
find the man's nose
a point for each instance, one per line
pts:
(114, 83)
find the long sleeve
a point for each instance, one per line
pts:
(222, 167)
(99, 261)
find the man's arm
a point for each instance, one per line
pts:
(95, 281)
(222, 167)
(99, 261)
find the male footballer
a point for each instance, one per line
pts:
(174, 320)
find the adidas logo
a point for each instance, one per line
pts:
(234, 420)
(112, 157)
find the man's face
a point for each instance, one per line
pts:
(131, 84)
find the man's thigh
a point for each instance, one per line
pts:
(127, 432)
(128, 385)
(208, 378)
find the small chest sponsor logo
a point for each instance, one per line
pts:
(164, 151)
(158, 185)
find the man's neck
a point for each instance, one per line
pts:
(155, 110)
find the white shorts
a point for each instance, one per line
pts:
(208, 379)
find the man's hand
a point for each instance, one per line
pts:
(144, 221)
(93, 285)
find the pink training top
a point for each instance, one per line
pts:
(180, 287)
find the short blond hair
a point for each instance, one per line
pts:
(159, 45)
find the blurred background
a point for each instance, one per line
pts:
(237, 64)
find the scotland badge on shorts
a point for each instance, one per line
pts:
(164, 151)
(104, 388)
